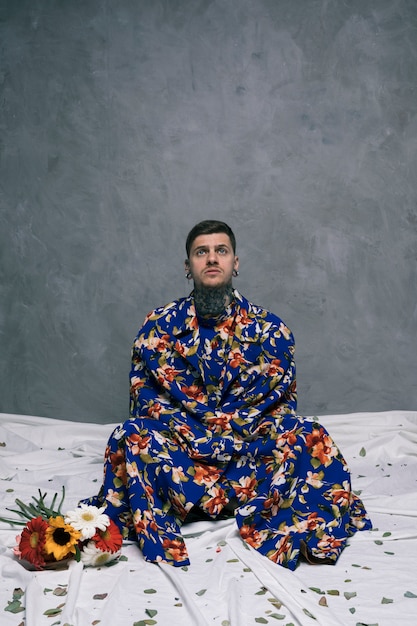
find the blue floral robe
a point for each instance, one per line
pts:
(213, 420)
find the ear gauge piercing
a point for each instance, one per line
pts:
(235, 273)
(188, 275)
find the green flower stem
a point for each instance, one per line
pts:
(39, 508)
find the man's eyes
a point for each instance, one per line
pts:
(203, 251)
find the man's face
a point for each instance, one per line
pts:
(212, 260)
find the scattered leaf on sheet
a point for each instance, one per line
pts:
(261, 620)
(56, 611)
(362, 452)
(389, 553)
(145, 622)
(409, 594)
(387, 534)
(151, 612)
(149, 591)
(261, 592)
(350, 594)
(225, 622)
(309, 614)
(379, 542)
(232, 561)
(201, 592)
(387, 601)
(276, 603)
(59, 591)
(317, 590)
(100, 596)
(15, 606)
(352, 610)
(277, 616)
(96, 621)
(123, 557)
(333, 592)
(323, 601)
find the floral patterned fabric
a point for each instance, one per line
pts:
(213, 422)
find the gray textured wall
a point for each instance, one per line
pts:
(125, 122)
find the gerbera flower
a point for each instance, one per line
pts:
(61, 538)
(108, 540)
(87, 519)
(91, 555)
(32, 541)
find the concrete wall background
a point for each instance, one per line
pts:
(124, 123)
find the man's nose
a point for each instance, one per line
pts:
(212, 257)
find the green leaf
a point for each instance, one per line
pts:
(261, 592)
(149, 591)
(333, 592)
(362, 452)
(317, 590)
(387, 534)
(151, 612)
(53, 612)
(386, 601)
(410, 594)
(277, 616)
(350, 594)
(201, 592)
(309, 614)
(261, 620)
(14, 607)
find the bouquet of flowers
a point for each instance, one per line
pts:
(50, 538)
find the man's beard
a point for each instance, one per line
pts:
(212, 301)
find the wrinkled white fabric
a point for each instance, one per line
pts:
(227, 583)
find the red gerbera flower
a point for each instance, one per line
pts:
(110, 539)
(32, 541)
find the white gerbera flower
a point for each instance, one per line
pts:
(87, 519)
(93, 556)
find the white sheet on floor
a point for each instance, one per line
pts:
(374, 581)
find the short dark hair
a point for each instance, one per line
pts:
(209, 227)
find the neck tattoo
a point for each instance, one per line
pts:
(212, 302)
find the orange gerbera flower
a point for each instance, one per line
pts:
(32, 541)
(110, 539)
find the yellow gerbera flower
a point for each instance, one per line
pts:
(61, 538)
